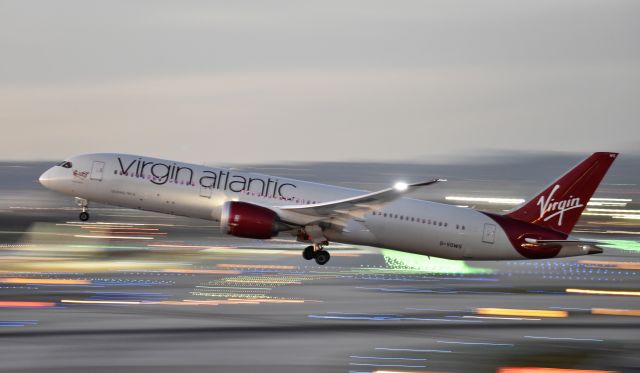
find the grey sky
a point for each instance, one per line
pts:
(244, 81)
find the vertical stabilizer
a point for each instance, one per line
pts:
(560, 205)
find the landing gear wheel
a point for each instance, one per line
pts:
(84, 216)
(307, 253)
(322, 257)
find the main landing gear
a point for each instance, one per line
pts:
(84, 215)
(316, 252)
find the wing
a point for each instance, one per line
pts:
(356, 207)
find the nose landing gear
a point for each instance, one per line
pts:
(316, 252)
(84, 215)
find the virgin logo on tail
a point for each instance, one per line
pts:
(557, 208)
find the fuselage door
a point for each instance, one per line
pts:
(97, 170)
(489, 234)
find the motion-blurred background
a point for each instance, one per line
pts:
(498, 97)
(131, 290)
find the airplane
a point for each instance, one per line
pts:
(258, 206)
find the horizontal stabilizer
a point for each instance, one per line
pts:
(588, 246)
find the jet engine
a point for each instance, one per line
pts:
(247, 220)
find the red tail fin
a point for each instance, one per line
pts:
(560, 205)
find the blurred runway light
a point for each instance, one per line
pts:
(608, 202)
(604, 292)
(613, 215)
(606, 264)
(499, 318)
(203, 271)
(121, 302)
(564, 338)
(412, 350)
(126, 228)
(387, 358)
(618, 232)
(388, 365)
(547, 370)
(111, 237)
(192, 246)
(612, 199)
(80, 223)
(18, 323)
(255, 266)
(365, 317)
(615, 210)
(26, 304)
(615, 312)
(402, 371)
(43, 281)
(478, 343)
(520, 312)
(493, 200)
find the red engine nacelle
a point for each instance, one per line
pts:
(247, 220)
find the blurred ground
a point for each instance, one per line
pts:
(140, 291)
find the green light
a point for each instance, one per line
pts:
(627, 245)
(408, 261)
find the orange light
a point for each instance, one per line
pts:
(45, 281)
(26, 304)
(604, 292)
(614, 312)
(518, 312)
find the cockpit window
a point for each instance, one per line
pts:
(65, 164)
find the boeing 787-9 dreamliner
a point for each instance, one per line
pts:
(259, 206)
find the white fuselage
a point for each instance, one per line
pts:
(195, 191)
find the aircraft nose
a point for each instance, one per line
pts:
(45, 179)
